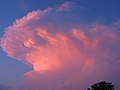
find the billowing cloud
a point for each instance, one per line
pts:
(63, 52)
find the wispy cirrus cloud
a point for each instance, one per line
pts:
(63, 52)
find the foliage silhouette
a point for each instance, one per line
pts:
(102, 86)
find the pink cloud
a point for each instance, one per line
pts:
(65, 6)
(62, 58)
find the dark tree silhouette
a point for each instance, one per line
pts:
(102, 86)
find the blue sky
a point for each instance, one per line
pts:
(16, 9)
(11, 71)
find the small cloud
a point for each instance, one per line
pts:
(66, 6)
(23, 5)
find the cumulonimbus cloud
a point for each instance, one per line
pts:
(64, 53)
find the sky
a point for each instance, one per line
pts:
(60, 44)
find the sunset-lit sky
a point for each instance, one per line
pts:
(60, 44)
